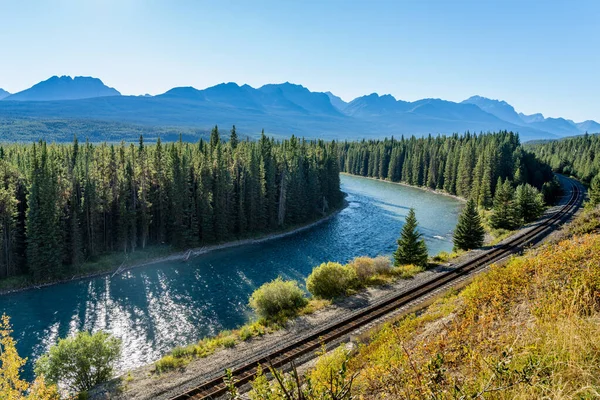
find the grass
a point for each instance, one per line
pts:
(407, 271)
(444, 256)
(588, 221)
(499, 235)
(526, 330)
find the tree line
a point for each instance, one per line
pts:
(61, 205)
(468, 165)
(578, 156)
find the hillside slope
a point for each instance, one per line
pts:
(527, 330)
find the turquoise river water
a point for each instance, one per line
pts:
(157, 307)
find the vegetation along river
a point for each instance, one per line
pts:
(157, 307)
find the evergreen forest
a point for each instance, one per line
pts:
(64, 204)
(578, 156)
(468, 166)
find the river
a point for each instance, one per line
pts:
(155, 308)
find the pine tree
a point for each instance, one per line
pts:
(530, 202)
(469, 233)
(233, 139)
(594, 191)
(411, 247)
(505, 214)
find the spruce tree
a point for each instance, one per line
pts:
(469, 233)
(594, 191)
(530, 202)
(411, 247)
(505, 214)
(233, 139)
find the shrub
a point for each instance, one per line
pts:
(363, 267)
(330, 280)
(11, 384)
(276, 298)
(382, 264)
(245, 333)
(181, 352)
(81, 362)
(408, 271)
(228, 342)
(330, 379)
(169, 363)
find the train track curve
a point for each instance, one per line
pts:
(242, 374)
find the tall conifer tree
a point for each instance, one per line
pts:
(411, 246)
(469, 232)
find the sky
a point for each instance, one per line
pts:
(538, 55)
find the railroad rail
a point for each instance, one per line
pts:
(243, 374)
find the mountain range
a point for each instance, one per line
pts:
(279, 109)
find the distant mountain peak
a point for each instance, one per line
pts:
(3, 93)
(336, 101)
(65, 88)
(373, 104)
(538, 117)
(498, 108)
(478, 98)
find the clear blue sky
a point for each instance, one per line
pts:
(540, 56)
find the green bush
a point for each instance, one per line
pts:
(228, 342)
(408, 271)
(330, 280)
(181, 352)
(277, 298)
(169, 363)
(245, 333)
(80, 362)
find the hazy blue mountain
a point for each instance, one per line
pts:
(374, 105)
(589, 126)
(313, 102)
(437, 108)
(336, 101)
(557, 126)
(184, 93)
(532, 118)
(65, 88)
(280, 109)
(498, 108)
(3, 93)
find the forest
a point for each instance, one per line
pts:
(468, 166)
(578, 156)
(64, 204)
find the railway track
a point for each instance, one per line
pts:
(243, 374)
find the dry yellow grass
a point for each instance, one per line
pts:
(527, 330)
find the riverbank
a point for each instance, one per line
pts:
(160, 254)
(410, 186)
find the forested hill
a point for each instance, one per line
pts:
(468, 166)
(63, 204)
(578, 156)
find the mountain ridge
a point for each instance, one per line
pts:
(64, 88)
(284, 109)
